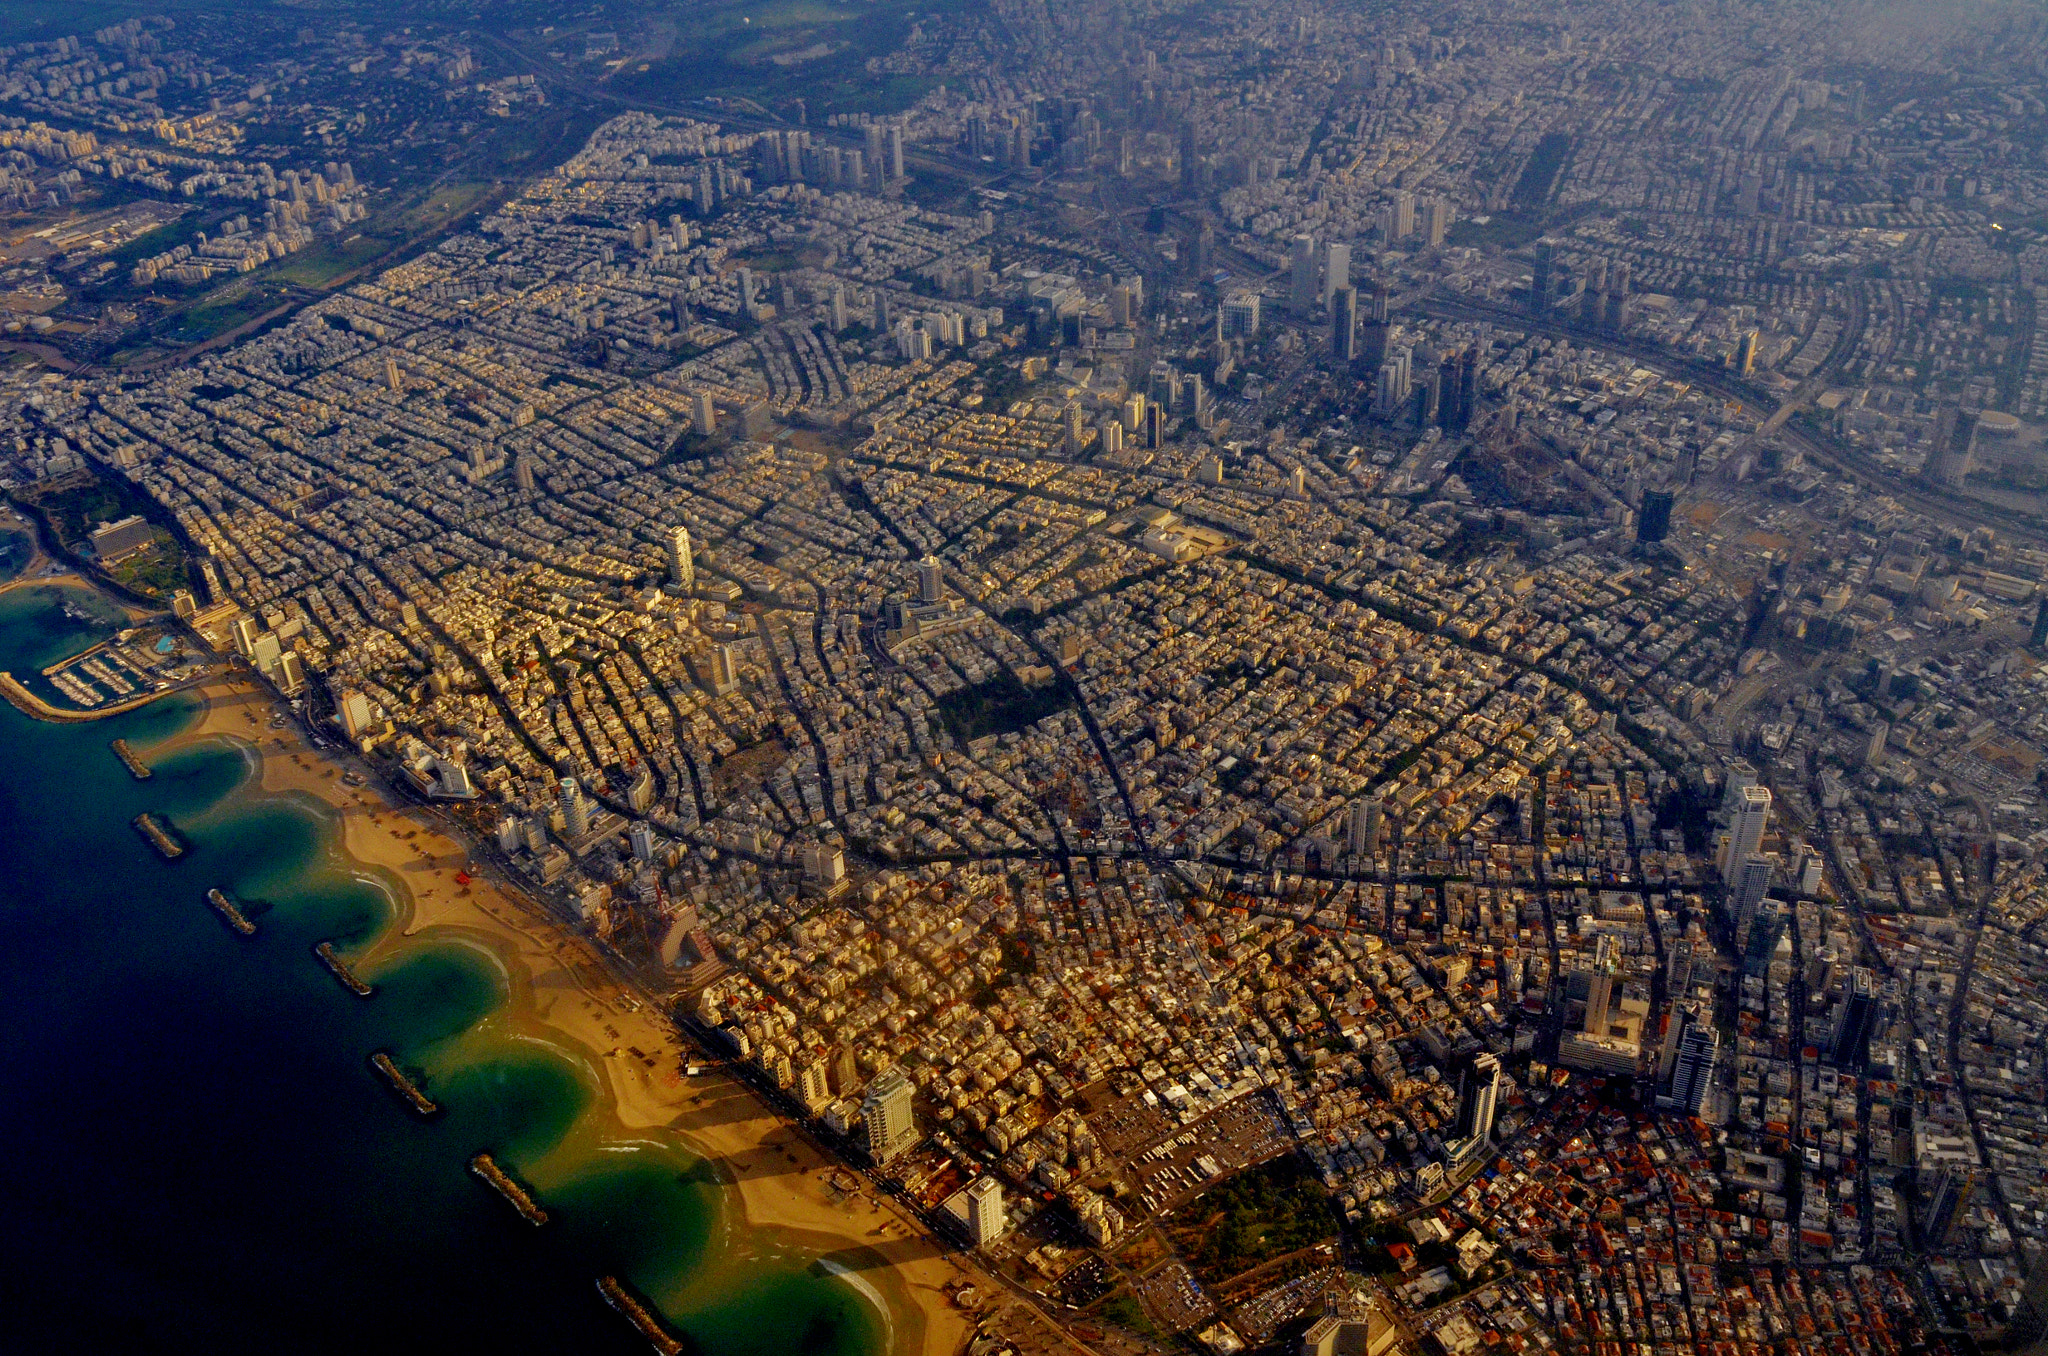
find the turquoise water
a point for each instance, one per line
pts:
(203, 1158)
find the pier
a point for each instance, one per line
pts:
(500, 1181)
(338, 967)
(387, 1067)
(136, 767)
(227, 909)
(620, 1297)
(160, 837)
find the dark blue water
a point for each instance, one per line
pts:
(197, 1155)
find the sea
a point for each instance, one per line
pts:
(198, 1155)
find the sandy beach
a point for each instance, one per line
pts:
(563, 993)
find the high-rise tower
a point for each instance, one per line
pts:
(1302, 294)
(682, 571)
(1344, 325)
(886, 1111)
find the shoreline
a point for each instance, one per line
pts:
(563, 991)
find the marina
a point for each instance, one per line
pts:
(157, 831)
(228, 910)
(136, 767)
(387, 1068)
(486, 1168)
(338, 967)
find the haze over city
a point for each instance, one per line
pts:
(1022, 677)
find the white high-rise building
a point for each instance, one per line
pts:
(813, 1086)
(887, 1114)
(985, 1220)
(1600, 985)
(1746, 829)
(931, 581)
(682, 571)
(1336, 271)
(824, 863)
(1747, 890)
(1740, 777)
(1436, 221)
(1240, 315)
(353, 710)
(1478, 1097)
(1404, 214)
(575, 810)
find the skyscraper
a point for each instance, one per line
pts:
(1954, 1184)
(1654, 524)
(887, 1113)
(1856, 1020)
(931, 581)
(1541, 282)
(1436, 221)
(1362, 826)
(1478, 1096)
(1745, 353)
(1600, 985)
(1617, 297)
(1377, 325)
(1746, 892)
(1404, 214)
(575, 810)
(1692, 1077)
(1336, 270)
(985, 1219)
(1752, 816)
(1766, 930)
(1240, 315)
(1344, 325)
(1302, 295)
(814, 1086)
(682, 570)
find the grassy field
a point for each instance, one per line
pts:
(1253, 1218)
(321, 264)
(730, 49)
(1502, 230)
(223, 310)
